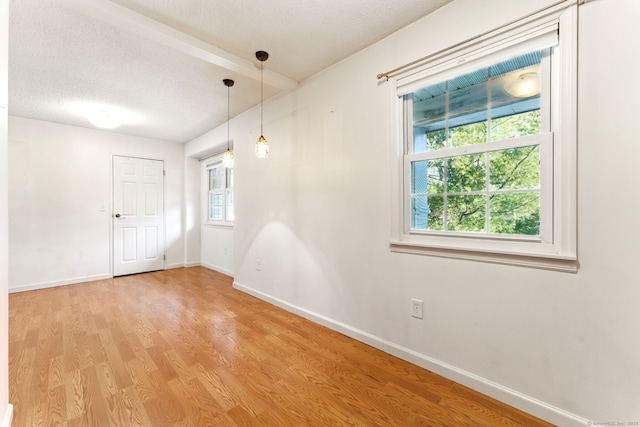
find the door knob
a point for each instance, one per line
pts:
(117, 215)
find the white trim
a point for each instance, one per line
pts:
(192, 264)
(530, 29)
(534, 33)
(565, 123)
(223, 225)
(217, 268)
(469, 62)
(175, 265)
(8, 416)
(72, 281)
(490, 388)
(557, 247)
(218, 224)
(485, 147)
(546, 262)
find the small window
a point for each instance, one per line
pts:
(220, 194)
(487, 168)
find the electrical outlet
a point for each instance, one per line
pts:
(258, 264)
(416, 308)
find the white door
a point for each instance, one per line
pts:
(138, 215)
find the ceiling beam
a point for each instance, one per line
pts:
(126, 19)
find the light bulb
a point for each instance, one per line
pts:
(227, 159)
(262, 147)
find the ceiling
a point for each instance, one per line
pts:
(159, 64)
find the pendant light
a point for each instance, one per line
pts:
(227, 157)
(262, 146)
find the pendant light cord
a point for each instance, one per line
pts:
(261, 94)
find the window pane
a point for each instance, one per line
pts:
(459, 108)
(229, 207)
(468, 101)
(436, 140)
(427, 176)
(515, 213)
(216, 178)
(466, 213)
(475, 133)
(466, 173)
(514, 126)
(230, 178)
(425, 140)
(436, 213)
(515, 169)
(419, 212)
(429, 118)
(427, 213)
(215, 206)
(515, 92)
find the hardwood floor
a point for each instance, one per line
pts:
(183, 348)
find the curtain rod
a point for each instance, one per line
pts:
(409, 65)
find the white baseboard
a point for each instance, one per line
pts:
(72, 281)
(172, 266)
(504, 394)
(75, 280)
(218, 269)
(181, 265)
(8, 417)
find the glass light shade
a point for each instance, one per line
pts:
(262, 147)
(526, 85)
(227, 159)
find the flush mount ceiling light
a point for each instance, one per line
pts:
(524, 86)
(262, 146)
(103, 116)
(227, 157)
(104, 119)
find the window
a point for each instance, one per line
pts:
(220, 194)
(487, 168)
(477, 144)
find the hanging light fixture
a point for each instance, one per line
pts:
(227, 157)
(262, 146)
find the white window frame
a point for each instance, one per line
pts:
(226, 192)
(556, 247)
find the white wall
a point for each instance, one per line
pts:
(5, 408)
(317, 214)
(214, 244)
(192, 211)
(59, 178)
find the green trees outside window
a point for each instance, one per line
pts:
(493, 188)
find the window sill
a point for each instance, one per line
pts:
(224, 225)
(539, 260)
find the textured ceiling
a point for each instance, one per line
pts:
(66, 58)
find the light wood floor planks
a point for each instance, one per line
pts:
(183, 348)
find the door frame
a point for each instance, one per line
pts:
(112, 204)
